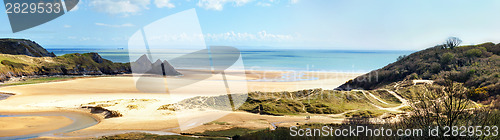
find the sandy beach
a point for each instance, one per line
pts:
(14, 126)
(140, 110)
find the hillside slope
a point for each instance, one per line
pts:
(69, 64)
(476, 66)
(23, 47)
(21, 57)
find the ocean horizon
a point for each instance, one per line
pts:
(352, 61)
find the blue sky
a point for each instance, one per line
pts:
(294, 24)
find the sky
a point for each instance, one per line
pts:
(283, 24)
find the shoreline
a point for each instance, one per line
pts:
(119, 94)
(45, 122)
(38, 124)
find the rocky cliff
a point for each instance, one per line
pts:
(143, 65)
(23, 47)
(26, 58)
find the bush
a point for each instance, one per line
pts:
(132, 106)
(473, 53)
(478, 93)
(13, 64)
(447, 58)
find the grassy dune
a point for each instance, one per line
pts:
(315, 101)
(303, 102)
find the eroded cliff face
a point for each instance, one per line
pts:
(20, 57)
(69, 64)
(23, 47)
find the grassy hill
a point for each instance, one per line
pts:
(312, 101)
(23, 47)
(21, 57)
(69, 64)
(476, 66)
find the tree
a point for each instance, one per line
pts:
(452, 42)
(444, 107)
(401, 57)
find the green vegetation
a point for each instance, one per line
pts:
(460, 73)
(406, 108)
(231, 133)
(446, 106)
(169, 107)
(302, 102)
(132, 106)
(40, 80)
(476, 66)
(145, 136)
(217, 123)
(315, 101)
(23, 47)
(379, 102)
(365, 113)
(69, 64)
(13, 64)
(386, 96)
(20, 57)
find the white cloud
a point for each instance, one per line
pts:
(125, 7)
(260, 36)
(263, 4)
(219, 4)
(276, 37)
(164, 3)
(231, 36)
(67, 26)
(132, 7)
(115, 25)
(84, 38)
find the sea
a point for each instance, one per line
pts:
(356, 61)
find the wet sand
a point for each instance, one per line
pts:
(15, 126)
(120, 94)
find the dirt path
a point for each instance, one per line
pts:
(404, 102)
(373, 96)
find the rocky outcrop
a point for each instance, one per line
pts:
(144, 66)
(102, 111)
(23, 47)
(90, 64)
(69, 64)
(21, 57)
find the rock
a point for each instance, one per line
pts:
(96, 57)
(105, 112)
(144, 66)
(68, 64)
(23, 47)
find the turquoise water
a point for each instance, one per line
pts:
(298, 60)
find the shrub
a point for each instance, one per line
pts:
(132, 106)
(447, 58)
(13, 64)
(478, 93)
(473, 53)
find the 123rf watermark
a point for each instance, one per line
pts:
(436, 131)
